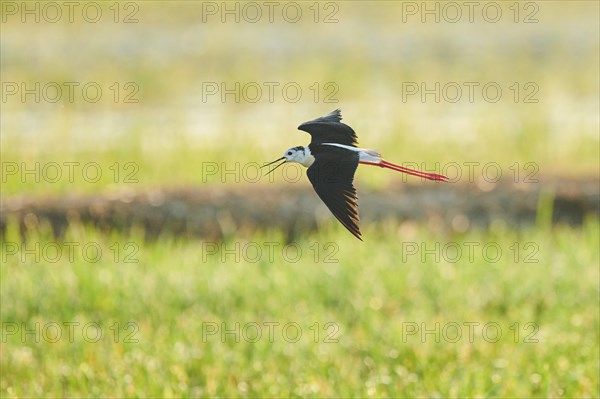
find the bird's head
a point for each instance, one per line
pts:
(297, 154)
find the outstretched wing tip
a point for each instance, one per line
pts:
(357, 233)
(337, 113)
(334, 116)
(330, 128)
(349, 224)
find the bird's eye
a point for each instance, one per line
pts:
(289, 153)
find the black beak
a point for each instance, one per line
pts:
(270, 163)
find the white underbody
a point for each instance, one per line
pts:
(364, 154)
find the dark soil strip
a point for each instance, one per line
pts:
(214, 213)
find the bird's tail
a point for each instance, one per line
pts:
(370, 156)
(373, 157)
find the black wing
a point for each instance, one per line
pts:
(329, 129)
(331, 176)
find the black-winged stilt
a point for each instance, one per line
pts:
(332, 158)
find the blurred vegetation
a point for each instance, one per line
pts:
(172, 132)
(175, 126)
(374, 295)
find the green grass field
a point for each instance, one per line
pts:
(315, 318)
(413, 311)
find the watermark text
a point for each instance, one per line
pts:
(69, 331)
(270, 331)
(255, 252)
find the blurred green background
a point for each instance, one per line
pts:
(157, 122)
(367, 55)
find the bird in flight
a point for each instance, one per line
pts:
(332, 158)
